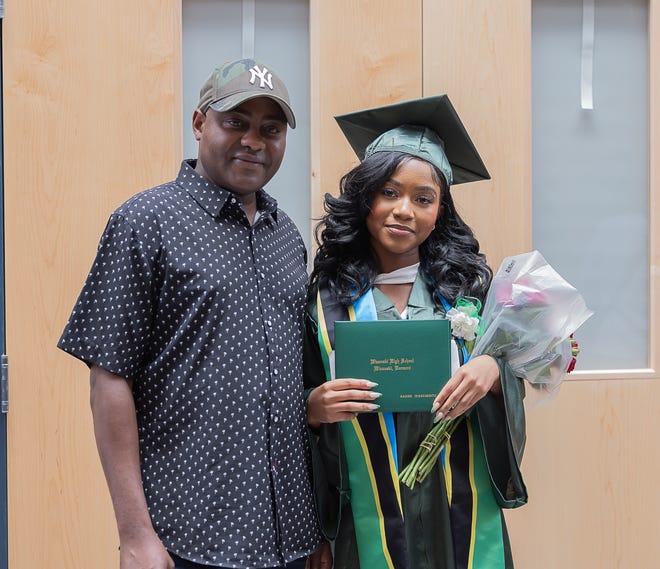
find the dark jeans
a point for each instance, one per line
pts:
(184, 564)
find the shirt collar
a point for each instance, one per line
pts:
(421, 295)
(420, 302)
(212, 198)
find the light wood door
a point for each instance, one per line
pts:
(91, 93)
(3, 390)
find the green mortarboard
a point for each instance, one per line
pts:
(428, 128)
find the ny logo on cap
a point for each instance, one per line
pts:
(265, 77)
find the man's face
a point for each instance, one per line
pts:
(240, 150)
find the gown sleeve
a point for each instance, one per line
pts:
(330, 478)
(502, 423)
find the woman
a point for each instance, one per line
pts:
(392, 240)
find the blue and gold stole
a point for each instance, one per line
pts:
(370, 449)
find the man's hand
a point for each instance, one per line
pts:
(115, 428)
(322, 559)
(144, 553)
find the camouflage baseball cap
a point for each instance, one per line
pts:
(238, 81)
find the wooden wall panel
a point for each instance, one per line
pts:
(91, 116)
(479, 54)
(654, 183)
(364, 54)
(591, 468)
(591, 462)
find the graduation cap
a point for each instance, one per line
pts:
(428, 128)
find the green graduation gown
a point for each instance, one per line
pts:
(428, 526)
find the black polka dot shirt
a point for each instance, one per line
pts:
(204, 312)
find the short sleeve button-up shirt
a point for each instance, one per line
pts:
(204, 312)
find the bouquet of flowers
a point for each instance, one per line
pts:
(529, 318)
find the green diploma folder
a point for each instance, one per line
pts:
(409, 359)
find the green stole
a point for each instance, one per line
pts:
(370, 447)
(475, 516)
(369, 444)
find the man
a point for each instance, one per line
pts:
(191, 322)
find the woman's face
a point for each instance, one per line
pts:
(403, 214)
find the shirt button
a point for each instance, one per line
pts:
(276, 419)
(262, 276)
(276, 371)
(269, 323)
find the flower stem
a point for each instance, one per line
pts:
(428, 452)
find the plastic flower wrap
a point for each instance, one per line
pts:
(528, 319)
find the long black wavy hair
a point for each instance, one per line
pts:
(345, 262)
